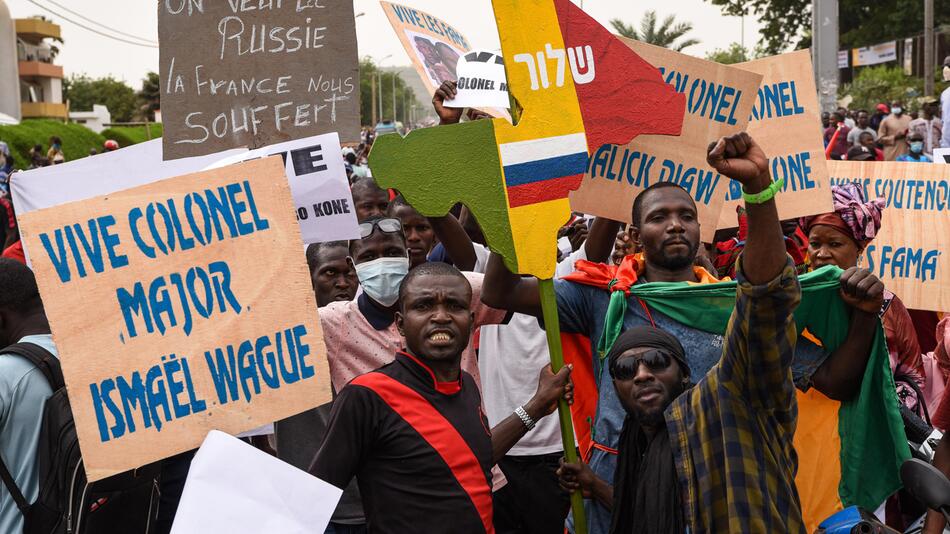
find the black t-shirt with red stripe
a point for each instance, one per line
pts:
(420, 449)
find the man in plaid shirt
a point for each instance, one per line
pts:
(717, 456)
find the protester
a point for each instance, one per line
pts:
(109, 145)
(665, 228)
(37, 159)
(836, 135)
(915, 152)
(880, 111)
(846, 117)
(839, 238)
(728, 251)
(825, 120)
(368, 199)
(928, 126)
(684, 449)
(23, 387)
(413, 432)
(420, 236)
(863, 125)
(893, 131)
(867, 141)
(55, 151)
(299, 437)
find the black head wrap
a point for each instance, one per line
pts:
(648, 336)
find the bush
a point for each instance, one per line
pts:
(77, 139)
(874, 85)
(131, 135)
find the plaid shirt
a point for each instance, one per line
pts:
(731, 433)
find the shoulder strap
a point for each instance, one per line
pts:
(12, 487)
(41, 358)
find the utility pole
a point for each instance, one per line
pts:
(373, 100)
(394, 95)
(824, 50)
(928, 47)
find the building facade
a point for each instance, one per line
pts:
(41, 82)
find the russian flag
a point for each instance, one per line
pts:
(543, 169)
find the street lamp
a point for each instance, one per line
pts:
(379, 75)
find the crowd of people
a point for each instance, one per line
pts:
(440, 367)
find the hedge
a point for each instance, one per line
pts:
(77, 139)
(131, 135)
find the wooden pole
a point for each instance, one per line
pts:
(553, 329)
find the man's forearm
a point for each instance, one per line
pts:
(505, 290)
(764, 255)
(458, 246)
(600, 239)
(507, 433)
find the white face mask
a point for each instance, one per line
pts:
(897, 110)
(381, 278)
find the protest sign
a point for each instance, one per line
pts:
(481, 81)
(719, 100)
(433, 45)
(786, 122)
(322, 200)
(235, 488)
(909, 253)
(178, 307)
(942, 155)
(241, 73)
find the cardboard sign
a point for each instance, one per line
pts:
(322, 199)
(240, 73)
(179, 307)
(433, 45)
(942, 155)
(909, 254)
(719, 100)
(786, 122)
(481, 81)
(575, 81)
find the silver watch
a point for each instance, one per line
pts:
(525, 418)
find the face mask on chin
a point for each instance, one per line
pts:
(381, 278)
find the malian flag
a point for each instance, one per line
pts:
(849, 453)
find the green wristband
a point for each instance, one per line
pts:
(765, 195)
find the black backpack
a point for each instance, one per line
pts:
(67, 504)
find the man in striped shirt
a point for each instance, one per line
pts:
(413, 431)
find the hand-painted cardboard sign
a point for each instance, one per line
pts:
(481, 81)
(786, 122)
(577, 85)
(322, 200)
(239, 73)
(942, 155)
(909, 254)
(433, 45)
(166, 323)
(719, 100)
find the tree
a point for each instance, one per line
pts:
(666, 35)
(736, 53)
(861, 23)
(82, 92)
(405, 97)
(150, 96)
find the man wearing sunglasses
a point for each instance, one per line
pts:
(717, 456)
(361, 334)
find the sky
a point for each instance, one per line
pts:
(92, 54)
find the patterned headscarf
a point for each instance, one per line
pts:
(853, 215)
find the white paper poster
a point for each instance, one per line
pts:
(233, 487)
(942, 155)
(481, 81)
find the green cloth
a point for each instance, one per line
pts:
(873, 443)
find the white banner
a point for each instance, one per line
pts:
(942, 155)
(843, 58)
(873, 55)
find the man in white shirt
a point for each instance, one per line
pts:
(945, 105)
(23, 388)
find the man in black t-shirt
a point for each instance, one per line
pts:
(413, 431)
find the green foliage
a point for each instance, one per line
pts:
(150, 96)
(736, 53)
(77, 139)
(874, 85)
(82, 92)
(131, 135)
(786, 24)
(369, 72)
(666, 35)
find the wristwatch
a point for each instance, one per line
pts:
(525, 418)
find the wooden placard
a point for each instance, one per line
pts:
(909, 254)
(239, 73)
(719, 100)
(178, 307)
(786, 122)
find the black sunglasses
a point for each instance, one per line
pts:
(626, 368)
(389, 226)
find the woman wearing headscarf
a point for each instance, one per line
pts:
(839, 238)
